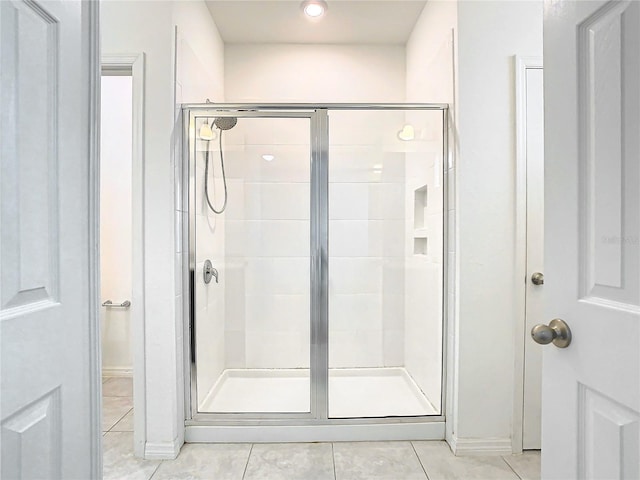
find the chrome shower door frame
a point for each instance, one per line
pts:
(245, 424)
(318, 251)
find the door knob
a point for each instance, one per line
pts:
(557, 332)
(537, 278)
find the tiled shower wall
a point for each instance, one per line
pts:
(366, 239)
(267, 246)
(424, 260)
(209, 298)
(267, 237)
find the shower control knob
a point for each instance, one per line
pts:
(557, 332)
(208, 271)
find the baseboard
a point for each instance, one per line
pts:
(117, 372)
(162, 450)
(479, 446)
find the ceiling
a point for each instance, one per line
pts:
(345, 22)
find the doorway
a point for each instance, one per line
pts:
(316, 267)
(116, 243)
(122, 204)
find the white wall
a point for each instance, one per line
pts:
(430, 79)
(429, 54)
(200, 76)
(126, 29)
(149, 28)
(489, 34)
(314, 73)
(115, 222)
(200, 54)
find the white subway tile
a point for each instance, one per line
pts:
(355, 238)
(234, 349)
(393, 314)
(285, 313)
(278, 238)
(393, 238)
(348, 201)
(277, 276)
(354, 163)
(393, 276)
(355, 348)
(355, 275)
(393, 348)
(277, 350)
(355, 312)
(235, 199)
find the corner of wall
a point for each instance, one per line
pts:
(479, 446)
(163, 450)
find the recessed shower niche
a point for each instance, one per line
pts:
(321, 313)
(420, 234)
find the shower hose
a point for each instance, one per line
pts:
(206, 179)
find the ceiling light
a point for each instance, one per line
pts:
(314, 8)
(268, 157)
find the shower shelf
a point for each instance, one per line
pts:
(420, 245)
(420, 241)
(420, 207)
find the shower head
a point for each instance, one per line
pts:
(225, 123)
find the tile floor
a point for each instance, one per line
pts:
(295, 461)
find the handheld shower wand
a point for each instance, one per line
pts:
(222, 124)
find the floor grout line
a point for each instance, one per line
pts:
(512, 469)
(419, 459)
(333, 459)
(120, 419)
(244, 473)
(156, 470)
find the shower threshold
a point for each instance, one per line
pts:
(353, 392)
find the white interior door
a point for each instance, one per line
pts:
(591, 390)
(50, 390)
(534, 306)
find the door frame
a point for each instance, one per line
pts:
(93, 239)
(522, 64)
(134, 65)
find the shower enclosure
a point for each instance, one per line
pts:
(317, 295)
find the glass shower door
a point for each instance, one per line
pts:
(252, 321)
(386, 257)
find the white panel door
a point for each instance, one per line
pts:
(49, 386)
(591, 390)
